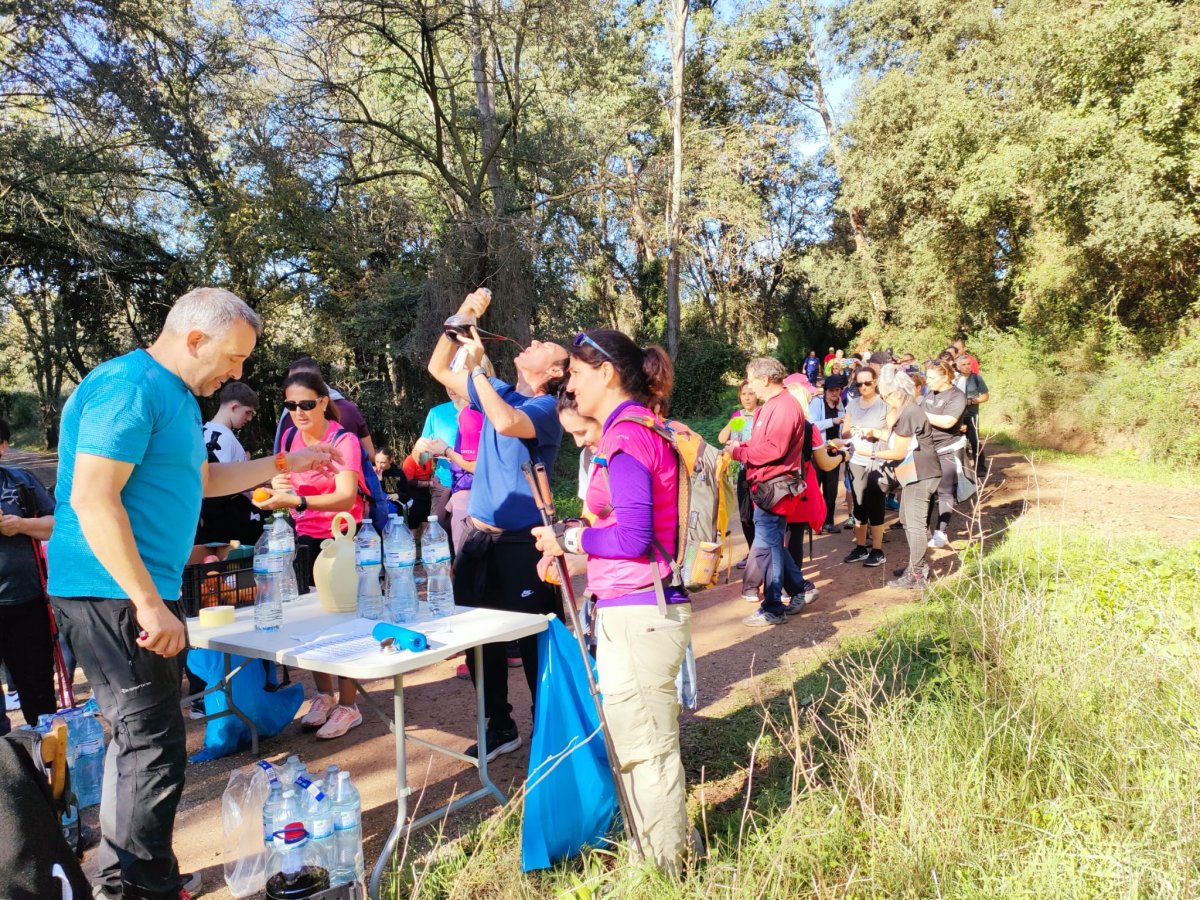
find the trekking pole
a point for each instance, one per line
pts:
(539, 483)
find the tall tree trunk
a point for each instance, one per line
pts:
(862, 246)
(678, 33)
(485, 99)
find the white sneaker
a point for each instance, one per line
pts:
(318, 713)
(752, 598)
(341, 720)
(939, 540)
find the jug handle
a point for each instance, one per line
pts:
(344, 520)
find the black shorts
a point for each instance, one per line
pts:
(499, 571)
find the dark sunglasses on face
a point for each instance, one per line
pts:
(582, 338)
(306, 405)
(865, 383)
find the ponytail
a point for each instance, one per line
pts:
(660, 379)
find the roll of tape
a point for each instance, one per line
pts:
(216, 615)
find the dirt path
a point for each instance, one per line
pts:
(853, 601)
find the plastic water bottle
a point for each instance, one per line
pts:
(268, 603)
(282, 545)
(399, 560)
(88, 772)
(435, 554)
(294, 869)
(289, 811)
(368, 559)
(318, 819)
(347, 833)
(272, 808)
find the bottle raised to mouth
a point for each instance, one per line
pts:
(458, 327)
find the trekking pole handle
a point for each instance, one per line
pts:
(543, 481)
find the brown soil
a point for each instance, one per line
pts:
(853, 601)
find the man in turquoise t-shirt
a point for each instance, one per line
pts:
(132, 472)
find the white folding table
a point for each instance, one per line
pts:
(468, 628)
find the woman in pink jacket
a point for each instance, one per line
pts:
(643, 622)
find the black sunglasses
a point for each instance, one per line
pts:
(582, 338)
(306, 405)
(864, 383)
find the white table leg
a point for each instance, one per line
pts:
(401, 828)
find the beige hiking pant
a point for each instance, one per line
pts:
(638, 654)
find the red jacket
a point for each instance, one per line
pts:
(777, 442)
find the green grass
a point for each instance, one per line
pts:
(1032, 730)
(1126, 464)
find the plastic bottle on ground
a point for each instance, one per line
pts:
(294, 869)
(435, 554)
(318, 819)
(87, 775)
(347, 831)
(271, 812)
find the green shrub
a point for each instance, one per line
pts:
(1093, 398)
(703, 370)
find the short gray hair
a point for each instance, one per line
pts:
(766, 367)
(212, 311)
(893, 378)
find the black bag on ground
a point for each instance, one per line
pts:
(35, 858)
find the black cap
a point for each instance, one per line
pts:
(835, 381)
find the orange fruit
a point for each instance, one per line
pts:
(261, 495)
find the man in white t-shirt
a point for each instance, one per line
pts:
(235, 518)
(238, 405)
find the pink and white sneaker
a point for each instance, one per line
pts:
(341, 720)
(318, 712)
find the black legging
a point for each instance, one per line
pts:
(829, 488)
(946, 491)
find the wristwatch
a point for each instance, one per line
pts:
(303, 505)
(478, 370)
(571, 539)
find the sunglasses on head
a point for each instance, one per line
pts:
(306, 405)
(582, 338)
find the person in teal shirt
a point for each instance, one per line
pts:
(441, 424)
(132, 472)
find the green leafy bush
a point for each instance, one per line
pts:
(702, 372)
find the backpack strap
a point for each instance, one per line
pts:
(657, 550)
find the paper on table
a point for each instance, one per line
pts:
(338, 649)
(351, 628)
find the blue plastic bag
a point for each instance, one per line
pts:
(570, 798)
(270, 711)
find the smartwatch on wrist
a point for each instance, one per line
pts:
(303, 505)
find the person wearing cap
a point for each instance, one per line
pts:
(827, 412)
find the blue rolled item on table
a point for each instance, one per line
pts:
(269, 709)
(570, 797)
(406, 638)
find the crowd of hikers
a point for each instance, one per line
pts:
(867, 432)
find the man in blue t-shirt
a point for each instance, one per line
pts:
(132, 472)
(496, 567)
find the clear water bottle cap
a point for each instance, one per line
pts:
(432, 519)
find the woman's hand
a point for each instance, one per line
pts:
(437, 447)
(547, 542)
(278, 500)
(281, 482)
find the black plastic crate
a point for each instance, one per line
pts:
(229, 583)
